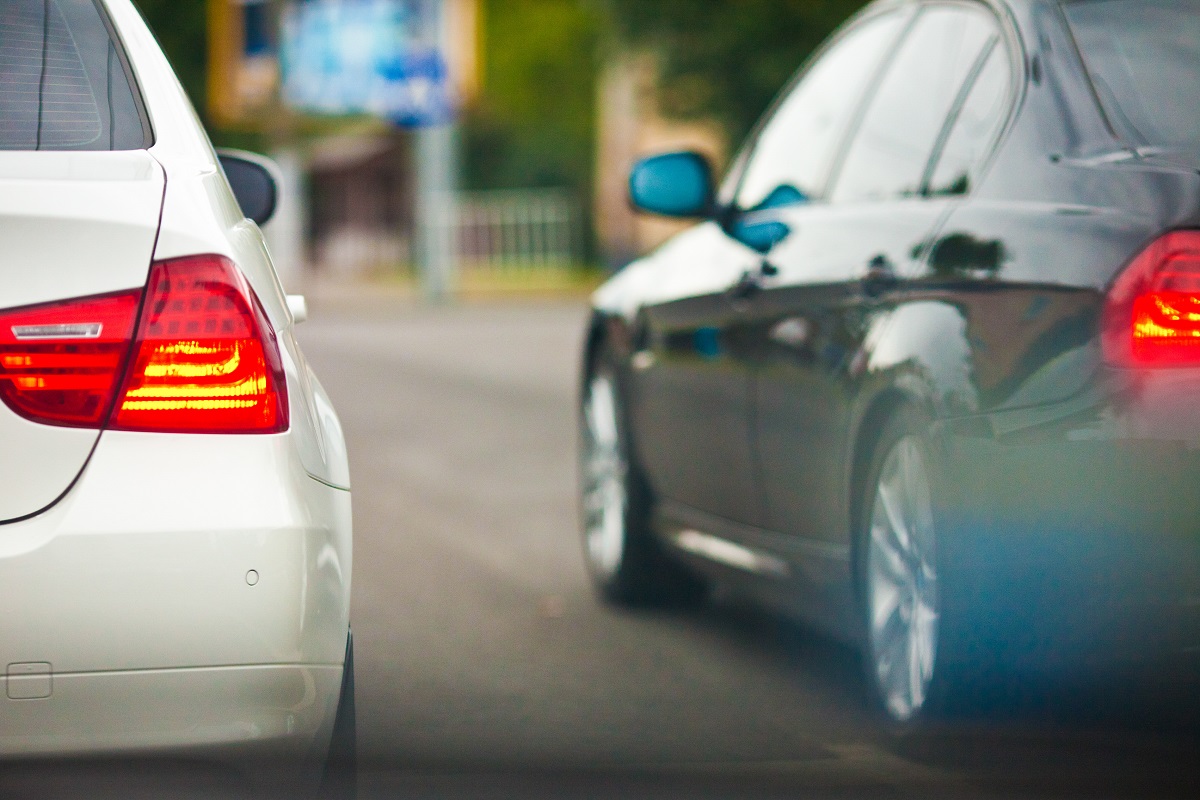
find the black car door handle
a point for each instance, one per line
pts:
(880, 277)
(751, 281)
(747, 286)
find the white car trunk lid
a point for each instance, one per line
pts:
(72, 224)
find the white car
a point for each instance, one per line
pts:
(175, 532)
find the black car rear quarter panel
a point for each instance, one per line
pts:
(1067, 502)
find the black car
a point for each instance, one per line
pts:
(927, 371)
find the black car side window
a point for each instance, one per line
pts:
(976, 125)
(1144, 61)
(889, 152)
(793, 151)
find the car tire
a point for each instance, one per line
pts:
(340, 780)
(900, 577)
(625, 561)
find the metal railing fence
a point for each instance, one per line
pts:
(511, 229)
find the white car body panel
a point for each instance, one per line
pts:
(38, 463)
(143, 564)
(110, 204)
(188, 592)
(133, 591)
(249, 713)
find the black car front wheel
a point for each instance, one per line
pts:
(625, 561)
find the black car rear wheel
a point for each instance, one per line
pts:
(899, 574)
(626, 563)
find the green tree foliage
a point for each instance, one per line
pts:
(727, 59)
(181, 27)
(534, 124)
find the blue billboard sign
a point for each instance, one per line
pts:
(378, 57)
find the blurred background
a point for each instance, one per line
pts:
(477, 146)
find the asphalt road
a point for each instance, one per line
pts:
(486, 668)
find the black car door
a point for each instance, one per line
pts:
(691, 399)
(693, 404)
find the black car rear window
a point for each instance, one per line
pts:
(64, 84)
(1144, 60)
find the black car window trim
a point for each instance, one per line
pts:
(1121, 129)
(117, 47)
(1011, 46)
(732, 185)
(960, 100)
(857, 120)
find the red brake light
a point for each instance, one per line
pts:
(205, 359)
(60, 363)
(1152, 314)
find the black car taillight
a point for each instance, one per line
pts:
(1152, 312)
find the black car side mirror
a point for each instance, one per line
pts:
(253, 179)
(673, 185)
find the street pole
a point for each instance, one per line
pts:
(437, 183)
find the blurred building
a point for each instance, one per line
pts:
(631, 125)
(348, 183)
(362, 215)
(350, 202)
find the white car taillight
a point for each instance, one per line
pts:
(61, 363)
(204, 358)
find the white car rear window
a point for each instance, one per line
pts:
(64, 83)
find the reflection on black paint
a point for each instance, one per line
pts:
(761, 236)
(960, 254)
(707, 341)
(825, 341)
(1014, 333)
(1071, 329)
(781, 196)
(960, 185)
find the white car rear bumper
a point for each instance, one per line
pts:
(188, 593)
(251, 712)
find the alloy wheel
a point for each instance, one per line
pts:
(901, 582)
(605, 469)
